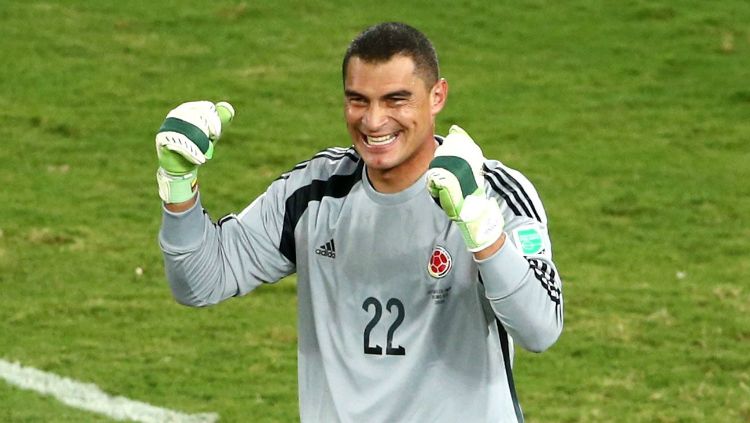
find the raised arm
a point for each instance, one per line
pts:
(209, 262)
(520, 280)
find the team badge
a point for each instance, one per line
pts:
(440, 262)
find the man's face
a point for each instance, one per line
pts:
(390, 114)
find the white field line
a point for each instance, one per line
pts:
(87, 396)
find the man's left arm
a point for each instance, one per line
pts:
(503, 223)
(524, 288)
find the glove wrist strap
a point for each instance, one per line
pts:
(176, 188)
(483, 231)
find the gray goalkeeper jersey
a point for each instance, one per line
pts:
(397, 321)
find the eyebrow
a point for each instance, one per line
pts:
(352, 93)
(399, 93)
(394, 94)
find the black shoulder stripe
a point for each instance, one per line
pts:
(337, 186)
(514, 188)
(512, 181)
(338, 156)
(509, 193)
(334, 154)
(523, 192)
(329, 154)
(505, 196)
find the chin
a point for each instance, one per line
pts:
(379, 163)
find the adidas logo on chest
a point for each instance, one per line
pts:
(327, 250)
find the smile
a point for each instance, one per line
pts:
(381, 140)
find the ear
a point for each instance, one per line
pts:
(438, 96)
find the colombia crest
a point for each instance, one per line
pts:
(440, 262)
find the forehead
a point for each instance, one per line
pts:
(374, 78)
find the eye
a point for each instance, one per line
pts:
(356, 101)
(397, 100)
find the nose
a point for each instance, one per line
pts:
(374, 118)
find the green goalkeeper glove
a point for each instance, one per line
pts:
(456, 182)
(185, 141)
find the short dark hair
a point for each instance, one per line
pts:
(379, 43)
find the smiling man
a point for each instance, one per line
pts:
(419, 262)
(390, 108)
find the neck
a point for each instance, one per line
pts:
(389, 181)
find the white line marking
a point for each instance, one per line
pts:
(88, 396)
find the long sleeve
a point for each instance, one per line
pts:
(526, 296)
(208, 262)
(521, 280)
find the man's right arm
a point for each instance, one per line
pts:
(205, 262)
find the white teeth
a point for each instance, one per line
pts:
(385, 139)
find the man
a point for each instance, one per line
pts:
(418, 261)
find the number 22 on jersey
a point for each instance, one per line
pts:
(393, 303)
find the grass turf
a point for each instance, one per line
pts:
(630, 117)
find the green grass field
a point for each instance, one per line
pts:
(632, 118)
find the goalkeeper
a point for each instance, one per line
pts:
(420, 263)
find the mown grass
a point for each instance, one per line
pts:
(632, 119)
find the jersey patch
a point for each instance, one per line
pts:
(440, 262)
(529, 240)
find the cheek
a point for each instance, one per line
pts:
(352, 116)
(414, 114)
